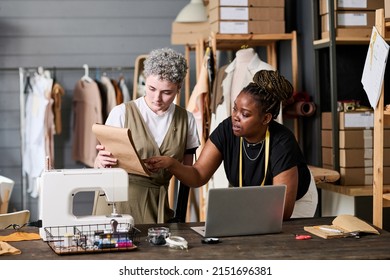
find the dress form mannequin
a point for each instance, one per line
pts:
(240, 79)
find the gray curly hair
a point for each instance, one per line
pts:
(167, 64)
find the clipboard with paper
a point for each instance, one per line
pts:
(120, 143)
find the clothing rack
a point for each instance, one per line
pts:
(24, 72)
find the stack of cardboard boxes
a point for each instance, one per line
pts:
(352, 18)
(355, 147)
(247, 16)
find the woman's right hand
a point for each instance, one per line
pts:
(104, 158)
(156, 163)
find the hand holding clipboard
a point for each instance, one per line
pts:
(120, 143)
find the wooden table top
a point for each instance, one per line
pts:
(279, 246)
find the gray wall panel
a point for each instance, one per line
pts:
(10, 157)
(83, 27)
(91, 8)
(9, 119)
(11, 138)
(63, 35)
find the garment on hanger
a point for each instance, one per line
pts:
(39, 129)
(103, 96)
(57, 93)
(87, 110)
(118, 92)
(198, 103)
(124, 89)
(111, 94)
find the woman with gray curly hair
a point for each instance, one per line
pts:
(255, 149)
(159, 128)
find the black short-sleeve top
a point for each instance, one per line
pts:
(284, 153)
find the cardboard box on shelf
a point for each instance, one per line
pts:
(387, 10)
(354, 157)
(327, 157)
(351, 5)
(354, 139)
(359, 176)
(350, 33)
(349, 19)
(351, 139)
(246, 3)
(246, 13)
(350, 120)
(356, 176)
(248, 27)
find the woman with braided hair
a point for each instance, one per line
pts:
(246, 137)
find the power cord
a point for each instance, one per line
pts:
(35, 224)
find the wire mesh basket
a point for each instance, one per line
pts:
(94, 238)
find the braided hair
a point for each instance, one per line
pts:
(269, 89)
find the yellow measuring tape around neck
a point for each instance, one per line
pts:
(267, 136)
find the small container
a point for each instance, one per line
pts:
(68, 237)
(157, 235)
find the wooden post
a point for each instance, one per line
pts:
(378, 142)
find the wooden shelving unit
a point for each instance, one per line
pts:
(381, 196)
(235, 41)
(380, 192)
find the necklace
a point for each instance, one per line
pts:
(256, 157)
(267, 140)
(253, 144)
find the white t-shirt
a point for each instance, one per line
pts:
(158, 124)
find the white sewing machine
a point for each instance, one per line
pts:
(58, 187)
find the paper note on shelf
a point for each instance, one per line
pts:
(374, 67)
(120, 143)
(342, 226)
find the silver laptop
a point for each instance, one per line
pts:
(243, 211)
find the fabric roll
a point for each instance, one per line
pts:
(300, 109)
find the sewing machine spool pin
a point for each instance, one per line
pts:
(114, 211)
